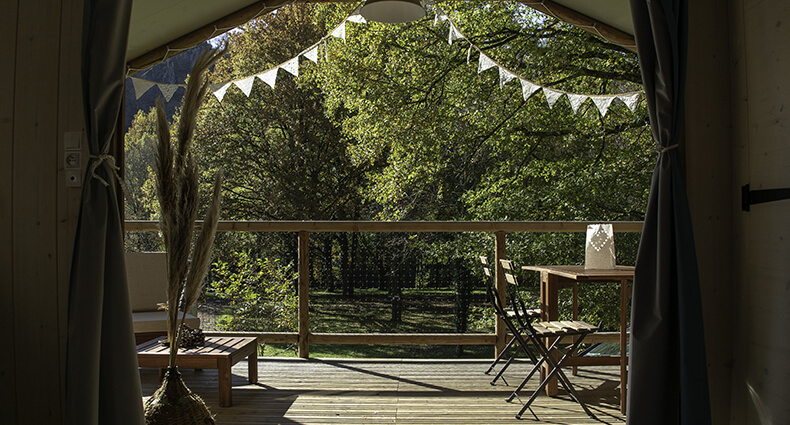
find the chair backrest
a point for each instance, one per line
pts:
(146, 274)
(522, 314)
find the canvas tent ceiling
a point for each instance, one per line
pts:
(158, 23)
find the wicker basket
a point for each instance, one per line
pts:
(174, 404)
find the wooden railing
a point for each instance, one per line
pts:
(303, 229)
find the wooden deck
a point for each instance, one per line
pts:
(330, 391)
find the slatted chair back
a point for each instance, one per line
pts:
(517, 303)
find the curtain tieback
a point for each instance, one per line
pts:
(110, 160)
(666, 149)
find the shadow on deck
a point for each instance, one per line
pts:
(334, 391)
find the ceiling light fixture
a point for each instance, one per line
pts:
(392, 11)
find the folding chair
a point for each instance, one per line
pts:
(537, 333)
(530, 314)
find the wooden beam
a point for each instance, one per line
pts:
(403, 339)
(593, 26)
(259, 8)
(397, 226)
(303, 293)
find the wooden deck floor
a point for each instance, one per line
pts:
(296, 391)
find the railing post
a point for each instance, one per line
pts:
(303, 293)
(499, 282)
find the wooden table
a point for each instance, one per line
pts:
(553, 278)
(219, 353)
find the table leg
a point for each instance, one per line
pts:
(551, 311)
(252, 365)
(623, 356)
(224, 375)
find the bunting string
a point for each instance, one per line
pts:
(528, 88)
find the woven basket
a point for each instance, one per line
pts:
(174, 404)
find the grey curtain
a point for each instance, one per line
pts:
(668, 381)
(102, 380)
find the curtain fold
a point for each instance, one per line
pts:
(102, 379)
(667, 381)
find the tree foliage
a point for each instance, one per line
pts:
(396, 124)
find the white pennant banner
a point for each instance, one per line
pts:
(312, 54)
(357, 18)
(552, 96)
(292, 66)
(454, 34)
(576, 101)
(340, 31)
(219, 90)
(168, 90)
(141, 86)
(485, 63)
(245, 85)
(528, 88)
(602, 103)
(505, 76)
(440, 17)
(630, 100)
(269, 77)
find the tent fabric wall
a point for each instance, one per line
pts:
(667, 382)
(102, 379)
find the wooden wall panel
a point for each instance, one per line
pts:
(8, 33)
(766, 37)
(708, 153)
(70, 119)
(34, 234)
(740, 131)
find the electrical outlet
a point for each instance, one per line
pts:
(73, 160)
(73, 178)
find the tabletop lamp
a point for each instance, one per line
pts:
(392, 11)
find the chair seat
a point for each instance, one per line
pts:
(557, 328)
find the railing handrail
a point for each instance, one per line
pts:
(397, 226)
(303, 228)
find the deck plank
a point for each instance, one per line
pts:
(413, 392)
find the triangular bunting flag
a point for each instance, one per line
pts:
(269, 77)
(245, 85)
(485, 63)
(505, 76)
(141, 86)
(312, 54)
(602, 103)
(440, 16)
(219, 90)
(576, 101)
(357, 18)
(630, 100)
(454, 34)
(469, 54)
(168, 90)
(528, 89)
(552, 96)
(340, 31)
(292, 66)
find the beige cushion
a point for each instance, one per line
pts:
(156, 321)
(146, 273)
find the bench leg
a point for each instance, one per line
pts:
(224, 375)
(252, 366)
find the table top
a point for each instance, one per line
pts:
(579, 273)
(214, 347)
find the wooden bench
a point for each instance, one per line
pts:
(219, 353)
